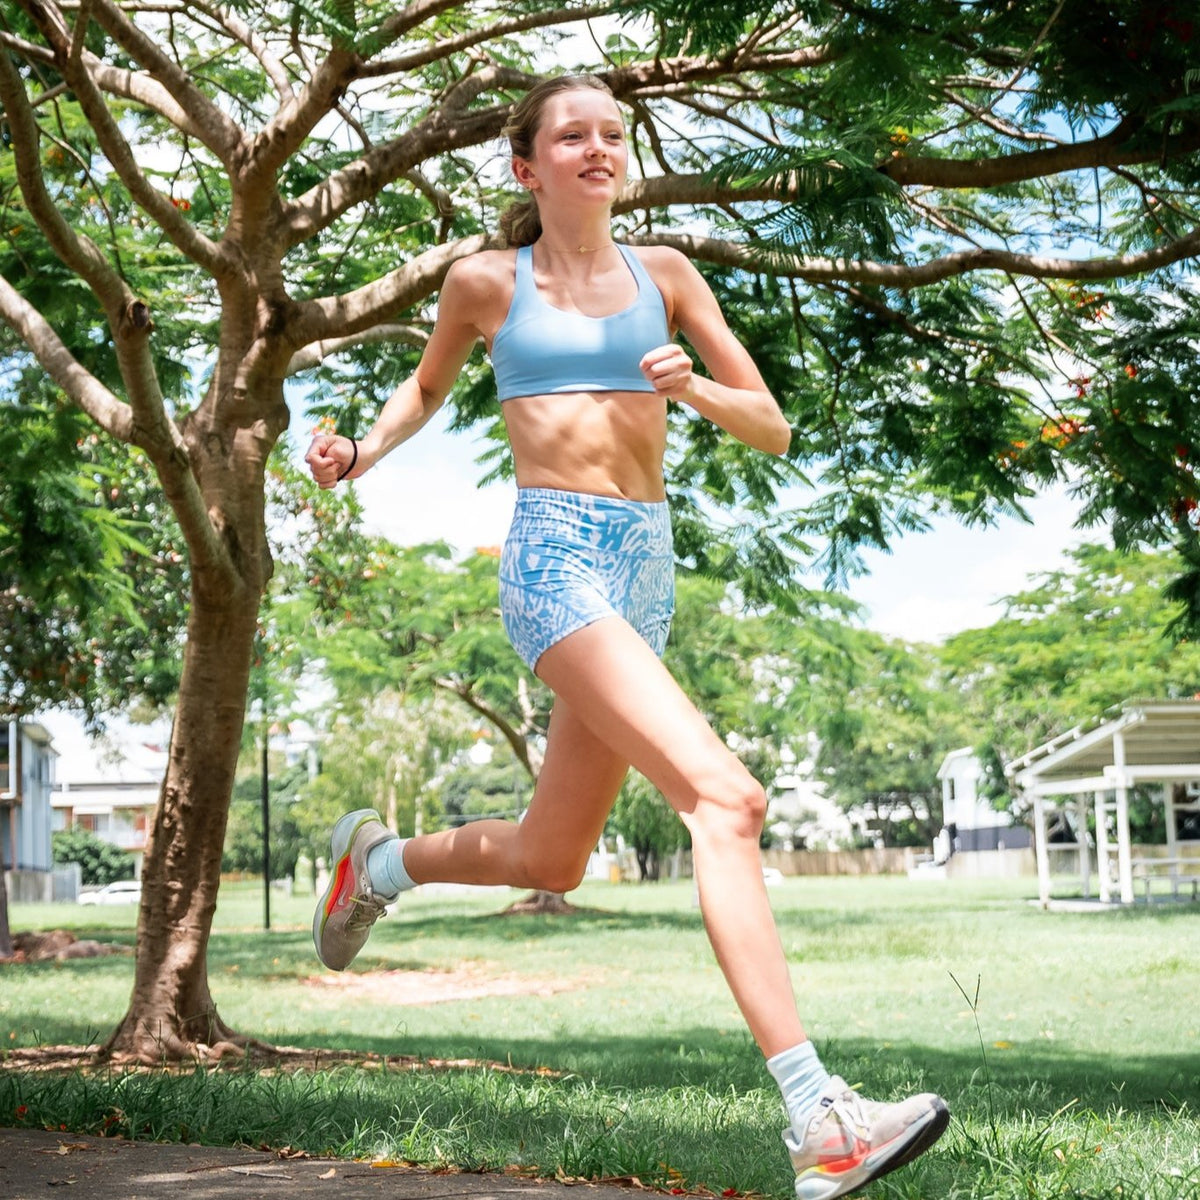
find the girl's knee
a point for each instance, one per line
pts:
(560, 877)
(729, 801)
(548, 869)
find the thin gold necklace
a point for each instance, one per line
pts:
(578, 249)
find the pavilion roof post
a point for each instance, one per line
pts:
(1124, 849)
(1040, 849)
(1081, 840)
(1172, 827)
(1102, 847)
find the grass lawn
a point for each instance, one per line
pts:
(1071, 1065)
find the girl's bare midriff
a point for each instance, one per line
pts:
(602, 443)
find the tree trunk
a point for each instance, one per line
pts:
(171, 1011)
(648, 863)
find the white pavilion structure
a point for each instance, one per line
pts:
(1154, 742)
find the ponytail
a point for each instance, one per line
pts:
(520, 223)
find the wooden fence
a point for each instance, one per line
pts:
(844, 862)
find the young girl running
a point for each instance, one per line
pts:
(579, 329)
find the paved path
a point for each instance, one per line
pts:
(34, 1161)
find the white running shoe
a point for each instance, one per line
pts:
(849, 1141)
(349, 907)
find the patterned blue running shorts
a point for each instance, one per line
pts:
(572, 558)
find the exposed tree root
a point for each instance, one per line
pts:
(59, 944)
(262, 1060)
(545, 903)
(203, 1040)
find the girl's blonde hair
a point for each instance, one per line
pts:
(520, 223)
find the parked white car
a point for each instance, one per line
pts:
(124, 891)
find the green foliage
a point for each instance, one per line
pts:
(969, 393)
(883, 735)
(695, 25)
(499, 788)
(100, 862)
(648, 824)
(905, 400)
(1075, 643)
(387, 752)
(243, 834)
(90, 571)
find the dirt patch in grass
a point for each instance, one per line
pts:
(468, 982)
(58, 945)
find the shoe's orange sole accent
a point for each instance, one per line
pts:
(338, 883)
(840, 1166)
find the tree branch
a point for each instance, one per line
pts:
(133, 85)
(143, 420)
(409, 17)
(112, 415)
(117, 150)
(660, 72)
(520, 745)
(355, 312)
(116, 81)
(901, 275)
(243, 33)
(358, 181)
(659, 191)
(286, 132)
(313, 355)
(128, 318)
(76, 250)
(220, 133)
(446, 130)
(82, 19)
(1112, 150)
(985, 117)
(445, 48)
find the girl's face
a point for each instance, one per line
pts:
(579, 150)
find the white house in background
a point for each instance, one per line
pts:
(299, 742)
(26, 779)
(107, 784)
(801, 815)
(969, 823)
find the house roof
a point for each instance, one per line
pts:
(964, 754)
(1159, 740)
(124, 756)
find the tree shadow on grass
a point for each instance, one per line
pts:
(1044, 1076)
(695, 1108)
(1036, 1081)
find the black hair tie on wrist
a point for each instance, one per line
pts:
(353, 460)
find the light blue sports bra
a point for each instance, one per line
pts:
(541, 349)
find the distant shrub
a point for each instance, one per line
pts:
(100, 862)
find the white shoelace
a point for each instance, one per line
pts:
(367, 910)
(849, 1106)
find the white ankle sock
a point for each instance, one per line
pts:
(385, 866)
(801, 1079)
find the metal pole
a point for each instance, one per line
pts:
(266, 829)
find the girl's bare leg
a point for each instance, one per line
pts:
(617, 704)
(549, 848)
(615, 685)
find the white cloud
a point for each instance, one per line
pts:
(950, 578)
(428, 489)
